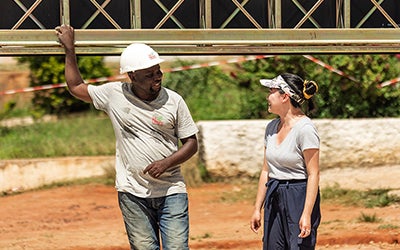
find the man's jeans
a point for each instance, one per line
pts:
(147, 218)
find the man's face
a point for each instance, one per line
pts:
(147, 82)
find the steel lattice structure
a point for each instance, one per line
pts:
(274, 31)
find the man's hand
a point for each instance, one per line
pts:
(65, 34)
(76, 85)
(156, 168)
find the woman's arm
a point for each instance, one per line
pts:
(311, 157)
(255, 222)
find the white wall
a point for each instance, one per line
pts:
(234, 148)
(18, 175)
(231, 149)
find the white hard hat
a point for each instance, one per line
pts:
(138, 56)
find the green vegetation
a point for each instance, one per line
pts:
(338, 96)
(241, 192)
(50, 70)
(210, 93)
(200, 237)
(233, 91)
(10, 111)
(388, 226)
(79, 135)
(246, 191)
(368, 218)
(369, 198)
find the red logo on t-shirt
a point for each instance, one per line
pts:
(157, 120)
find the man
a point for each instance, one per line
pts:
(149, 121)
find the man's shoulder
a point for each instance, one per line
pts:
(115, 84)
(172, 93)
(107, 85)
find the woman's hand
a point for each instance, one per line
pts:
(305, 226)
(255, 222)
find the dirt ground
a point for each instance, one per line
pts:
(87, 217)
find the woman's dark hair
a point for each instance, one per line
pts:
(305, 89)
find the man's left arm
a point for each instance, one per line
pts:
(188, 149)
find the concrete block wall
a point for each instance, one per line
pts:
(231, 149)
(24, 174)
(235, 148)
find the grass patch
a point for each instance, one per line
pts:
(388, 226)
(369, 198)
(204, 236)
(11, 111)
(104, 180)
(85, 135)
(243, 191)
(369, 218)
(247, 191)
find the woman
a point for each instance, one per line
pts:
(288, 187)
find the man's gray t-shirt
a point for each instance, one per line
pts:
(145, 132)
(286, 161)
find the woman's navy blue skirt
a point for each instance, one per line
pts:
(284, 205)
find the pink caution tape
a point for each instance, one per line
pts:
(330, 68)
(119, 77)
(390, 82)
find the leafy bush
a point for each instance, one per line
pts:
(209, 92)
(234, 91)
(50, 70)
(338, 97)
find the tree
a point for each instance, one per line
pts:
(338, 97)
(209, 92)
(50, 70)
(343, 98)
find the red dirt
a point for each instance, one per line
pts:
(87, 217)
